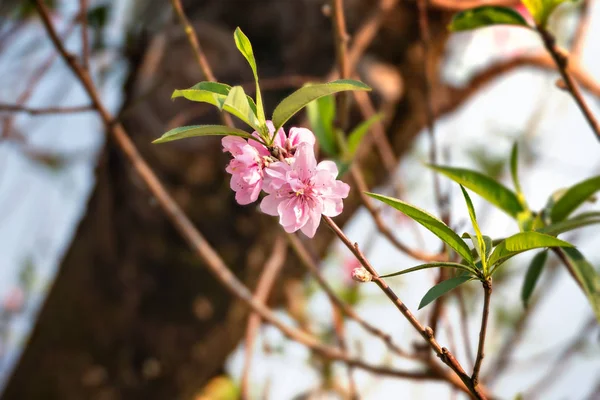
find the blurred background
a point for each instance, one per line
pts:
(100, 297)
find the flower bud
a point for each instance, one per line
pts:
(361, 275)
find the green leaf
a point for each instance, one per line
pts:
(570, 224)
(356, 136)
(245, 47)
(201, 130)
(573, 198)
(480, 246)
(531, 277)
(321, 114)
(430, 222)
(481, 17)
(442, 288)
(237, 104)
(542, 9)
(214, 93)
(521, 242)
(301, 97)
(587, 276)
(461, 267)
(486, 187)
(514, 172)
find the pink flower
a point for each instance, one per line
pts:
(300, 191)
(250, 158)
(14, 300)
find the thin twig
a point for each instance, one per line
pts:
(561, 59)
(194, 238)
(268, 277)
(487, 293)
(309, 263)
(426, 333)
(341, 47)
(560, 253)
(17, 108)
(198, 53)
(83, 12)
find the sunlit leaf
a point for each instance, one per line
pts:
(480, 245)
(486, 187)
(356, 136)
(587, 276)
(201, 130)
(237, 104)
(430, 222)
(521, 242)
(576, 222)
(245, 47)
(321, 114)
(541, 10)
(484, 16)
(442, 288)
(301, 97)
(573, 198)
(461, 267)
(214, 93)
(532, 276)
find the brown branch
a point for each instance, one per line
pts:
(456, 97)
(341, 48)
(425, 332)
(487, 293)
(187, 230)
(17, 108)
(198, 53)
(268, 277)
(83, 11)
(560, 58)
(309, 263)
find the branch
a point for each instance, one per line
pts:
(269, 275)
(560, 58)
(487, 292)
(198, 53)
(187, 230)
(425, 332)
(308, 262)
(16, 108)
(83, 7)
(341, 47)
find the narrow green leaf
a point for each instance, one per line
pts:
(214, 93)
(514, 172)
(484, 16)
(587, 276)
(442, 288)
(569, 225)
(533, 274)
(245, 47)
(573, 198)
(237, 104)
(486, 187)
(201, 130)
(301, 97)
(521, 242)
(481, 246)
(356, 136)
(321, 114)
(461, 267)
(430, 222)
(489, 245)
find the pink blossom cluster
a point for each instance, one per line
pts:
(298, 189)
